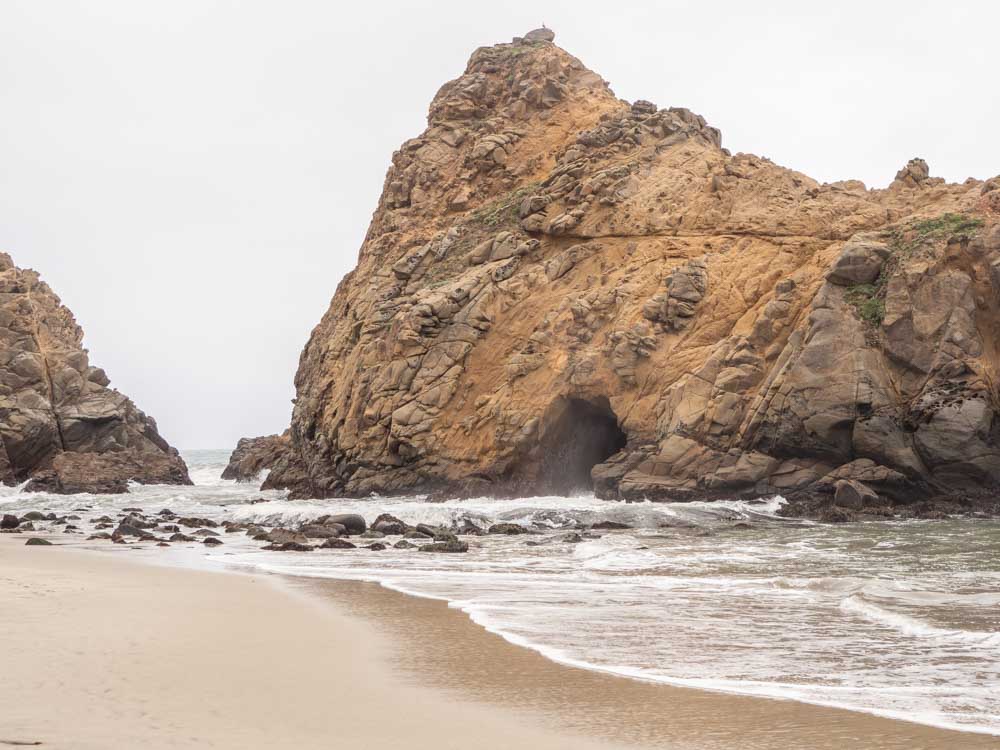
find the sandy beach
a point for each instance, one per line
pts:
(100, 651)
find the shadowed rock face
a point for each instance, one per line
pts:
(60, 424)
(552, 272)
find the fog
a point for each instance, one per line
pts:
(193, 178)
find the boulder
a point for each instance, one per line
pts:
(290, 547)
(284, 536)
(390, 525)
(352, 522)
(507, 528)
(860, 262)
(316, 531)
(338, 544)
(540, 35)
(453, 546)
(9, 522)
(854, 495)
(37, 541)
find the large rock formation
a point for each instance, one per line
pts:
(559, 288)
(60, 424)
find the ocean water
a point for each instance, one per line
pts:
(900, 619)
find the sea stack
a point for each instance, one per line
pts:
(61, 426)
(562, 290)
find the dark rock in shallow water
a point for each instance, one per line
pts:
(289, 547)
(403, 544)
(354, 523)
(36, 541)
(376, 546)
(455, 546)
(417, 535)
(99, 535)
(389, 525)
(34, 515)
(610, 525)
(9, 522)
(833, 514)
(316, 531)
(338, 544)
(195, 523)
(282, 536)
(854, 495)
(507, 528)
(371, 534)
(125, 529)
(211, 541)
(467, 528)
(178, 537)
(430, 531)
(205, 532)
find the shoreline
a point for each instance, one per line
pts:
(399, 644)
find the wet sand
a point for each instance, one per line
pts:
(102, 651)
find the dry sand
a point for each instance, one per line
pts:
(100, 651)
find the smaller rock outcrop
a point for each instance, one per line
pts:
(254, 455)
(61, 427)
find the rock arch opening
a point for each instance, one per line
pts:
(580, 435)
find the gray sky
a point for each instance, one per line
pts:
(193, 177)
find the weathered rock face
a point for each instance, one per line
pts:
(254, 455)
(60, 424)
(559, 288)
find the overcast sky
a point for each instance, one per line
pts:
(193, 178)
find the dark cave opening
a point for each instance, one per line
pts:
(581, 435)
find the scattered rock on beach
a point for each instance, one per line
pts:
(9, 522)
(211, 541)
(507, 528)
(455, 546)
(179, 537)
(389, 525)
(376, 546)
(338, 544)
(354, 523)
(403, 544)
(331, 531)
(282, 536)
(37, 541)
(290, 547)
(610, 525)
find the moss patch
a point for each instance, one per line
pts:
(949, 227)
(869, 301)
(502, 212)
